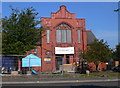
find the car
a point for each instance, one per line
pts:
(116, 68)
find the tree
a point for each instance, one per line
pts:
(116, 10)
(116, 53)
(20, 32)
(98, 51)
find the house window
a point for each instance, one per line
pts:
(48, 36)
(35, 51)
(78, 36)
(48, 54)
(63, 33)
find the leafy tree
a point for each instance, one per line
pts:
(116, 53)
(20, 32)
(98, 51)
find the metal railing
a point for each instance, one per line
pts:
(11, 63)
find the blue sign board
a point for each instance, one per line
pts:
(31, 61)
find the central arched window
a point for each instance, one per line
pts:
(63, 33)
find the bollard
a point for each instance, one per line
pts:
(88, 72)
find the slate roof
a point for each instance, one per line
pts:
(90, 37)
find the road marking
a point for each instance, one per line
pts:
(69, 81)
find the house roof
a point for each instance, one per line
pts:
(90, 37)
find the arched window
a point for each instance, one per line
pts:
(63, 33)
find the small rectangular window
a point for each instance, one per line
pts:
(48, 36)
(78, 36)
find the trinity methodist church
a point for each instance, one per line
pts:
(64, 38)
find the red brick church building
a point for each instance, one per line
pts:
(64, 37)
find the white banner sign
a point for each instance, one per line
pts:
(64, 50)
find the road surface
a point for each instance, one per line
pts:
(64, 84)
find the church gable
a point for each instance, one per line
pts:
(63, 13)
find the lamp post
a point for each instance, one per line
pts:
(29, 64)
